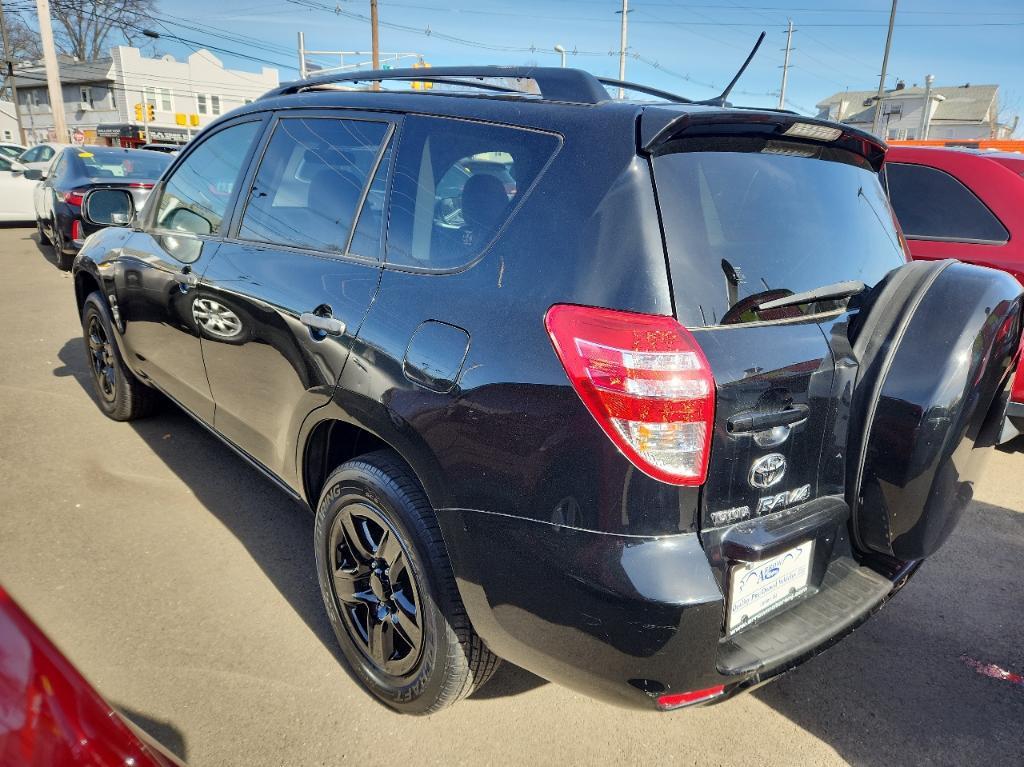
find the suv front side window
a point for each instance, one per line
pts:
(310, 182)
(195, 198)
(455, 185)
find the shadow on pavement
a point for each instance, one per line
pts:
(897, 690)
(275, 530)
(165, 733)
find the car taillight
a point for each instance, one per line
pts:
(74, 197)
(647, 383)
(76, 230)
(680, 699)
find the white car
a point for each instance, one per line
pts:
(39, 156)
(13, 151)
(16, 192)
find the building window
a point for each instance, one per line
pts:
(160, 98)
(85, 95)
(7, 135)
(201, 103)
(215, 104)
(165, 100)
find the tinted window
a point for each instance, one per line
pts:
(932, 204)
(99, 164)
(45, 153)
(5, 164)
(310, 182)
(748, 220)
(455, 184)
(32, 155)
(196, 196)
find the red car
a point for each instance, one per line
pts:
(963, 204)
(49, 714)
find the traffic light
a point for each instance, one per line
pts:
(150, 112)
(425, 85)
(138, 113)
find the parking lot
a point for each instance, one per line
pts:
(183, 585)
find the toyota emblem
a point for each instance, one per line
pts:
(767, 470)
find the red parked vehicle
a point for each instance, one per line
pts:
(963, 204)
(50, 716)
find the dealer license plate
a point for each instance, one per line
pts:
(758, 588)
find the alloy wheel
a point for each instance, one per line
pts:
(375, 588)
(101, 358)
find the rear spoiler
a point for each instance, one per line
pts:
(660, 125)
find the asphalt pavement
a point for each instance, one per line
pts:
(182, 584)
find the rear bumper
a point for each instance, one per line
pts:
(627, 619)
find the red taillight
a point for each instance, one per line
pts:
(140, 185)
(74, 197)
(647, 383)
(680, 699)
(76, 230)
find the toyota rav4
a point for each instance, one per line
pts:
(641, 395)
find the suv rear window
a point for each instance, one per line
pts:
(455, 185)
(749, 220)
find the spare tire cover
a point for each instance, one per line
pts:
(934, 348)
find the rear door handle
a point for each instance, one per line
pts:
(328, 325)
(753, 421)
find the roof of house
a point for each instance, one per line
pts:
(72, 72)
(962, 103)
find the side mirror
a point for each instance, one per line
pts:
(108, 207)
(17, 167)
(34, 174)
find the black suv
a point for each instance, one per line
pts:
(640, 395)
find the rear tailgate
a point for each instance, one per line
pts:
(751, 215)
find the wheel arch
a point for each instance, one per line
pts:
(85, 283)
(335, 437)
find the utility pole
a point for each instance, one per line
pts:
(9, 72)
(785, 66)
(60, 126)
(622, 45)
(885, 65)
(374, 40)
(145, 115)
(302, 55)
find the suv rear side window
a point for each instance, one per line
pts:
(933, 205)
(455, 185)
(310, 182)
(749, 220)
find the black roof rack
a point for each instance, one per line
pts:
(555, 83)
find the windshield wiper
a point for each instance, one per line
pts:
(824, 293)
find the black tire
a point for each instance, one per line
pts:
(120, 394)
(43, 238)
(64, 260)
(380, 496)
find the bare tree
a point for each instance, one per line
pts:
(23, 39)
(1008, 112)
(84, 29)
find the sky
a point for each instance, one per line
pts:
(690, 48)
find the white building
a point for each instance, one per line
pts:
(954, 112)
(100, 97)
(8, 124)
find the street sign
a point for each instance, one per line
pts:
(78, 137)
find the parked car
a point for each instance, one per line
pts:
(39, 156)
(11, 151)
(672, 419)
(967, 205)
(166, 148)
(50, 714)
(16, 192)
(72, 172)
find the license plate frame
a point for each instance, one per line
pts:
(757, 589)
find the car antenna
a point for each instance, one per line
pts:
(720, 101)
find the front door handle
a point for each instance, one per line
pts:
(328, 325)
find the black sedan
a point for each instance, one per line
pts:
(76, 170)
